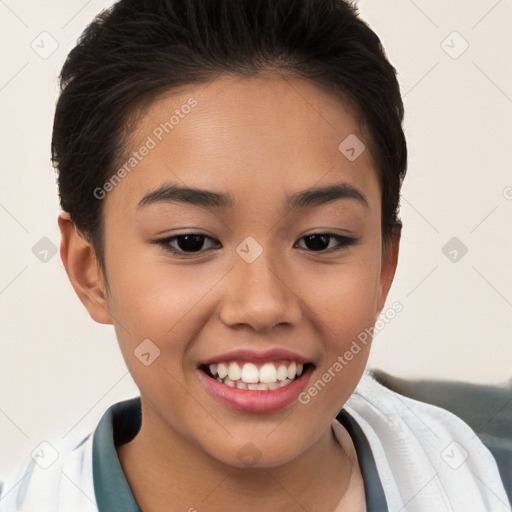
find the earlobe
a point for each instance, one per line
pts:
(388, 267)
(84, 272)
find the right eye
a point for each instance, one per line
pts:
(187, 243)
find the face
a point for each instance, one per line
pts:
(246, 278)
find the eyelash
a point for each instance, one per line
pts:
(343, 242)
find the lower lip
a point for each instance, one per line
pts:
(256, 401)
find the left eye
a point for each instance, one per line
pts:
(317, 242)
(190, 243)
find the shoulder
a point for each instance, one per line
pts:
(425, 452)
(58, 477)
(486, 408)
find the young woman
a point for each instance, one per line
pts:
(229, 174)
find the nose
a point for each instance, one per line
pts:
(259, 295)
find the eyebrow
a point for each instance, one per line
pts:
(317, 196)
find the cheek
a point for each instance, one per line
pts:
(169, 316)
(150, 294)
(166, 305)
(343, 309)
(158, 309)
(343, 297)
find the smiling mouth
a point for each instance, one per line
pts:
(267, 376)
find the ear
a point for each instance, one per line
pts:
(388, 266)
(83, 269)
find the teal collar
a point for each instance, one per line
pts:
(375, 497)
(121, 423)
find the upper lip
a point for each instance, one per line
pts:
(274, 354)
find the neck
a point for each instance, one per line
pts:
(175, 471)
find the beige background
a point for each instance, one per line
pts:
(59, 370)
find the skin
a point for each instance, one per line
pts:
(258, 140)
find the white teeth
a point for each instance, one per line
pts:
(247, 375)
(222, 370)
(250, 373)
(284, 383)
(282, 372)
(268, 373)
(234, 371)
(229, 382)
(292, 371)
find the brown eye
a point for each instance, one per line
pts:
(319, 242)
(188, 243)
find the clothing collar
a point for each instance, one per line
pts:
(121, 423)
(373, 490)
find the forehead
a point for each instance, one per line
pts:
(255, 137)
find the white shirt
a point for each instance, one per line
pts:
(426, 459)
